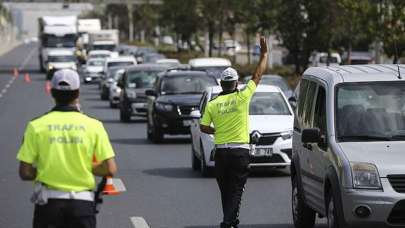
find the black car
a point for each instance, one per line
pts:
(134, 82)
(176, 94)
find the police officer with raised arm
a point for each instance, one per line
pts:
(57, 154)
(229, 115)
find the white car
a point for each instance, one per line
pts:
(115, 90)
(121, 61)
(61, 59)
(214, 66)
(100, 54)
(93, 70)
(319, 59)
(271, 125)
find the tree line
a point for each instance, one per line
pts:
(302, 26)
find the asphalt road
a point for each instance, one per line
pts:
(161, 187)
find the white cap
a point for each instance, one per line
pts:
(66, 80)
(229, 74)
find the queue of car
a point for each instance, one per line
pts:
(171, 98)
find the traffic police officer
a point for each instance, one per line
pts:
(229, 114)
(57, 153)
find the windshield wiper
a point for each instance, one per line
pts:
(365, 138)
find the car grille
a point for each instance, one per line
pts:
(266, 139)
(397, 182)
(186, 110)
(397, 215)
(276, 158)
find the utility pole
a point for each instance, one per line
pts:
(130, 21)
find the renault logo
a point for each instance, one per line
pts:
(256, 136)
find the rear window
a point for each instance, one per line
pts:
(115, 64)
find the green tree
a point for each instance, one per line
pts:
(180, 17)
(393, 23)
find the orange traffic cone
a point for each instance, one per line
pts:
(27, 78)
(109, 188)
(15, 72)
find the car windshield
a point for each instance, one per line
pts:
(332, 59)
(95, 63)
(214, 71)
(372, 111)
(111, 72)
(142, 79)
(109, 47)
(115, 64)
(99, 56)
(52, 41)
(61, 58)
(186, 84)
(268, 103)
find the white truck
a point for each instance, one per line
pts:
(55, 32)
(84, 27)
(103, 40)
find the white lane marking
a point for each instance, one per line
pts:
(11, 81)
(139, 222)
(29, 56)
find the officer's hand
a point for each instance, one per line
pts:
(263, 46)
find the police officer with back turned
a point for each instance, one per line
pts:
(229, 115)
(57, 154)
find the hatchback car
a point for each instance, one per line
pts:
(348, 147)
(174, 96)
(271, 124)
(93, 70)
(135, 81)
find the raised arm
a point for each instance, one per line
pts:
(262, 65)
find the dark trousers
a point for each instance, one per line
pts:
(65, 213)
(232, 170)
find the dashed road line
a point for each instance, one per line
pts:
(21, 67)
(29, 56)
(139, 222)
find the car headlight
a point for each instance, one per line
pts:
(286, 135)
(164, 107)
(365, 176)
(131, 94)
(50, 67)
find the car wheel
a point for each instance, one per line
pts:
(204, 169)
(332, 216)
(124, 117)
(195, 162)
(157, 135)
(303, 216)
(112, 105)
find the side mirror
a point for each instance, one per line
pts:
(150, 92)
(196, 114)
(311, 135)
(293, 102)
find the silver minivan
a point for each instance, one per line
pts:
(348, 161)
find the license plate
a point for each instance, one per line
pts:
(187, 123)
(264, 152)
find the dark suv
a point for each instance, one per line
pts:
(135, 81)
(171, 102)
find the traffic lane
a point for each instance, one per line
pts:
(23, 102)
(16, 57)
(164, 190)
